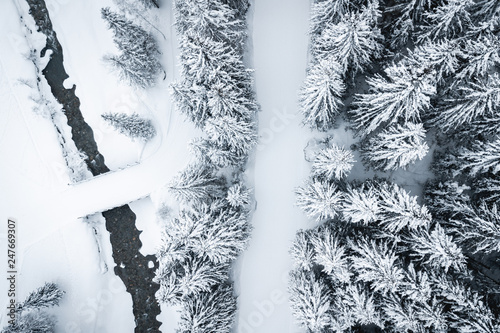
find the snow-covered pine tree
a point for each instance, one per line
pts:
(402, 96)
(481, 56)
(302, 250)
(239, 196)
(331, 255)
(377, 264)
(197, 184)
(398, 209)
(189, 277)
(483, 157)
(479, 229)
(237, 136)
(138, 63)
(324, 12)
(363, 306)
(332, 162)
(320, 96)
(361, 205)
(209, 312)
(225, 233)
(469, 311)
(448, 20)
(310, 298)
(407, 16)
(442, 56)
(475, 101)
(396, 147)
(353, 42)
(207, 151)
(133, 126)
(213, 19)
(30, 316)
(438, 249)
(319, 199)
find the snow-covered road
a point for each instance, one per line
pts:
(280, 44)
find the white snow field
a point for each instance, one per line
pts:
(53, 243)
(280, 44)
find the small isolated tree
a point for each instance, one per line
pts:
(333, 162)
(403, 95)
(397, 147)
(310, 299)
(133, 126)
(352, 42)
(319, 199)
(482, 158)
(209, 312)
(30, 316)
(197, 184)
(320, 96)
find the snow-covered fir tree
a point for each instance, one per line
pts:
(198, 184)
(310, 299)
(324, 12)
(320, 95)
(407, 17)
(209, 312)
(402, 96)
(30, 314)
(479, 229)
(483, 157)
(448, 20)
(468, 103)
(133, 126)
(214, 19)
(302, 250)
(319, 199)
(333, 162)
(353, 42)
(138, 63)
(438, 249)
(396, 147)
(235, 135)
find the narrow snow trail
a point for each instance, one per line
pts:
(280, 44)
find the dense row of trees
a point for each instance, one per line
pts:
(211, 225)
(380, 260)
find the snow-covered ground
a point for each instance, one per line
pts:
(53, 244)
(280, 44)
